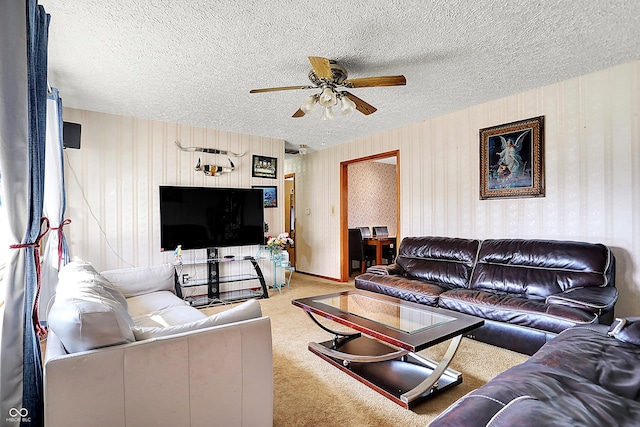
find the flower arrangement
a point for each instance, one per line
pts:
(279, 243)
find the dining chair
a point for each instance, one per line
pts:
(369, 251)
(381, 230)
(358, 252)
(388, 251)
(365, 231)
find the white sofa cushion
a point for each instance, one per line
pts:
(169, 317)
(154, 302)
(142, 280)
(162, 309)
(88, 312)
(79, 276)
(245, 311)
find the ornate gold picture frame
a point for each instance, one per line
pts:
(511, 159)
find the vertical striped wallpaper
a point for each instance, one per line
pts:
(592, 176)
(112, 185)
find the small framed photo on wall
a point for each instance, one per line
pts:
(264, 167)
(269, 195)
(511, 160)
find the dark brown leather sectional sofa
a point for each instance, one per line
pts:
(584, 377)
(528, 291)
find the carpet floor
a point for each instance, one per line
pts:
(310, 392)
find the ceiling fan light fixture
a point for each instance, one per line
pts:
(348, 106)
(328, 97)
(309, 105)
(327, 114)
(330, 79)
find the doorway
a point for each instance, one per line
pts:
(392, 157)
(290, 213)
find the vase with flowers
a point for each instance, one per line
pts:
(277, 244)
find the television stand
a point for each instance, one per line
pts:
(214, 281)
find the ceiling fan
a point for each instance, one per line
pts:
(328, 76)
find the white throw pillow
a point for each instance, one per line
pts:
(142, 280)
(88, 312)
(80, 277)
(245, 311)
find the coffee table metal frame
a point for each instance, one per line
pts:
(384, 359)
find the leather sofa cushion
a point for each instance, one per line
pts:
(155, 302)
(532, 396)
(88, 312)
(589, 353)
(514, 309)
(245, 311)
(581, 378)
(161, 309)
(169, 316)
(142, 280)
(626, 329)
(537, 268)
(594, 299)
(414, 290)
(445, 261)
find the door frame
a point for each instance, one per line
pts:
(291, 250)
(344, 205)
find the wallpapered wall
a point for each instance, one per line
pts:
(112, 183)
(372, 195)
(592, 153)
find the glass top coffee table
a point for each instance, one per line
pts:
(381, 354)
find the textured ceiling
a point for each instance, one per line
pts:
(194, 61)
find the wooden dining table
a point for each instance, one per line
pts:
(379, 242)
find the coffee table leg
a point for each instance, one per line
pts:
(336, 334)
(432, 380)
(347, 358)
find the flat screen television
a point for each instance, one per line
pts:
(210, 217)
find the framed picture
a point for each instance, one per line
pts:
(511, 159)
(264, 167)
(269, 196)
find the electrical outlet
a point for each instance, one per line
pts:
(185, 279)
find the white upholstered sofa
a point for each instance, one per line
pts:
(124, 350)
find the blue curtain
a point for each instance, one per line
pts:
(22, 153)
(38, 28)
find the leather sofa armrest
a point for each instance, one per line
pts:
(180, 379)
(386, 270)
(593, 299)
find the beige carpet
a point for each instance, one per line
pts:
(311, 392)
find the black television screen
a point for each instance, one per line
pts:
(208, 217)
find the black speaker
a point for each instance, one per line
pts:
(71, 135)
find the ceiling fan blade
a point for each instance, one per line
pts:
(376, 81)
(361, 106)
(298, 113)
(321, 66)
(274, 89)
